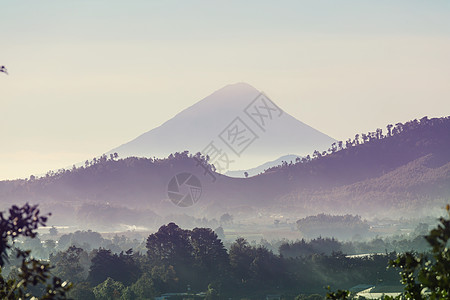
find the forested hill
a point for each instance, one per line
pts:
(111, 179)
(403, 164)
(407, 165)
(373, 154)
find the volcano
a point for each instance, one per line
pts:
(236, 126)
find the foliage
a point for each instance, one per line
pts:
(315, 246)
(109, 290)
(338, 295)
(337, 226)
(105, 264)
(423, 277)
(196, 256)
(427, 277)
(71, 264)
(23, 221)
(82, 291)
(143, 288)
(309, 297)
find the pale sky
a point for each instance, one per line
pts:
(87, 76)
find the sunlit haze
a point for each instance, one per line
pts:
(88, 76)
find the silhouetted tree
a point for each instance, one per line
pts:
(170, 246)
(226, 218)
(211, 257)
(71, 264)
(119, 267)
(364, 137)
(389, 129)
(241, 257)
(23, 221)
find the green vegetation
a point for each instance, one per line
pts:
(176, 260)
(195, 262)
(33, 277)
(342, 227)
(424, 276)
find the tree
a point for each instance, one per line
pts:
(220, 232)
(266, 268)
(226, 218)
(143, 288)
(339, 295)
(316, 154)
(364, 137)
(23, 221)
(379, 133)
(348, 143)
(71, 264)
(423, 277)
(82, 291)
(211, 257)
(109, 290)
(333, 147)
(241, 257)
(389, 129)
(398, 127)
(170, 247)
(119, 267)
(50, 246)
(53, 231)
(421, 273)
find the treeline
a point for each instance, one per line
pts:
(103, 162)
(405, 170)
(175, 260)
(329, 246)
(342, 227)
(399, 130)
(110, 179)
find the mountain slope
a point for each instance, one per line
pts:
(193, 129)
(260, 169)
(406, 171)
(419, 188)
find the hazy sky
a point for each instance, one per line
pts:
(87, 76)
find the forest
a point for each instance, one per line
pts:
(84, 265)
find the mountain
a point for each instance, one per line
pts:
(403, 172)
(239, 121)
(260, 169)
